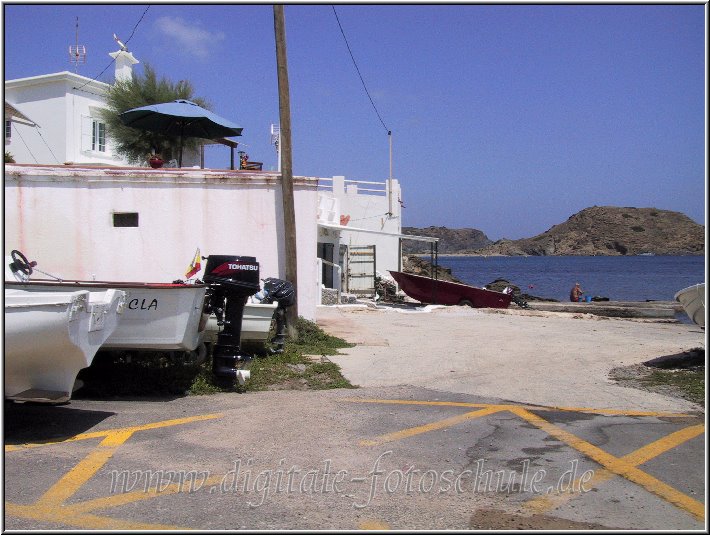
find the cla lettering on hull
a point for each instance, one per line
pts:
(143, 304)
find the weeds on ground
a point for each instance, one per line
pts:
(680, 375)
(154, 374)
(294, 370)
(689, 384)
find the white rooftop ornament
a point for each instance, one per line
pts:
(124, 62)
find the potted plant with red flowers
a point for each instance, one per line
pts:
(155, 161)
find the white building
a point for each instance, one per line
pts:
(82, 214)
(65, 109)
(359, 232)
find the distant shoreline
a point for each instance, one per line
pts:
(545, 256)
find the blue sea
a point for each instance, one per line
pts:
(620, 278)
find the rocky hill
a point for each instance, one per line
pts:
(450, 240)
(611, 231)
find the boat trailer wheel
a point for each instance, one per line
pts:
(21, 262)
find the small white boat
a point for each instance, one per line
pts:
(51, 336)
(158, 317)
(693, 300)
(256, 323)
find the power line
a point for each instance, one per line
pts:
(358, 70)
(113, 59)
(47, 144)
(137, 23)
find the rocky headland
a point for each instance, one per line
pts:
(595, 231)
(451, 240)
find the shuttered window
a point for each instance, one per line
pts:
(98, 136)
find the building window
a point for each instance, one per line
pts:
(125, 219)
(98, 136)
(8, 129)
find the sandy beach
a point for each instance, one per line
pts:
(545, 358)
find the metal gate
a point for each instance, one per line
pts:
(361, 270)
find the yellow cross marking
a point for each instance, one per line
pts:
(52, 506)
(610, 412)
(625, 466)
(542, 503)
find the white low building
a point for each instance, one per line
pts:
(360, 233)
(129, 224)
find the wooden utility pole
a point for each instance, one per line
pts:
(286, 164)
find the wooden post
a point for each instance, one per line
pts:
(286, 165)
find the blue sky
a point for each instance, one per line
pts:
(505, 118)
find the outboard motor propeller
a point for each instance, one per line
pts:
(232, 279)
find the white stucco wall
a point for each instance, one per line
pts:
(62, 217)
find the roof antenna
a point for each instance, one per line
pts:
(77, 52)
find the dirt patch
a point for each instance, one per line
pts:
(680, 376)
(290, 384)
(495, 519)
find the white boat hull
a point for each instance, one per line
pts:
(693, 300)
(256, 323)
(51, 336)
(158, 317)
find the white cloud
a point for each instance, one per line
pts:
(189, 37)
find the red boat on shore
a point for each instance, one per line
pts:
(439, 292)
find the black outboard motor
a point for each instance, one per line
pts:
(232, 279)
(283, 293)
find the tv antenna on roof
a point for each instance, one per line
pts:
(77, 52)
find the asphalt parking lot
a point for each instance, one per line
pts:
(370, 458)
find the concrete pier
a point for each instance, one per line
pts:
(614, 309)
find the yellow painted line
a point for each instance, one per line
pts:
(100, 434)
(617, 466)
(51, 505)
(664, 444)
(544, 503)
(66, 516)
(82, 472)
(610, 412)
(415, 402)
(124, 498)
(433, 426)
(373, 525)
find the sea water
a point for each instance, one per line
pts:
(620, 278)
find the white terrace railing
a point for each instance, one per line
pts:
(352, 187)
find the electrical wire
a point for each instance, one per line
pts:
(47, 144)
(137, 23)
(113, 59)
(17, 131)
(358, 71)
